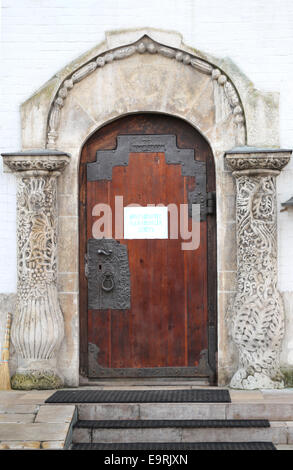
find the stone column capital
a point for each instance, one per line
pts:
(37, 162)
(257, 161)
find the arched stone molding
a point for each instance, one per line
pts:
(146, 71)
(226, 98)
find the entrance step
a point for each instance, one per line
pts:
(143, 431)
(105, 411)
(179, 419)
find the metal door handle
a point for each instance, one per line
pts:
(104, 252)
(108, 282)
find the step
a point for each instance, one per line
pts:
(131, 431)
(275, 412)
(169, 403)
(176, 446)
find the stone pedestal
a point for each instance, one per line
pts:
(37, 328)
(256, 316)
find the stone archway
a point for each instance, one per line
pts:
(136, 71)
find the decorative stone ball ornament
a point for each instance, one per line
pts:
(146, 45)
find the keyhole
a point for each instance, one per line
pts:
(100, 267)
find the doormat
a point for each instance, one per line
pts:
(173, 423)
(140, 396)
(177, 446)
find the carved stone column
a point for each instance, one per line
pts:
(257, 316)
(37, 328)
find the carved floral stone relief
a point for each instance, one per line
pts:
(38, 326)
(256, 315)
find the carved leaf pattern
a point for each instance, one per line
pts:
(257, 317)
(37, 329)
(36, 235)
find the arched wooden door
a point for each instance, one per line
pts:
(147, 306)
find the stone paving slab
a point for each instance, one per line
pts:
(31, 445)
(52, 445)
(20, 445)
(17, 408)
(17, 418)
(33, 431)
(26, 422)
(55, 414)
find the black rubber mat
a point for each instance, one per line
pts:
(140, 396)
(174, 423)
(178, 446)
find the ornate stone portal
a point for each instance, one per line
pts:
(257, 313)
(148, 71)
(37, 329)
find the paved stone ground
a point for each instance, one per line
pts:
(26, 422)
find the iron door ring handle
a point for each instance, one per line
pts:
(107, 278)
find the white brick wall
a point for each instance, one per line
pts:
(39, 37)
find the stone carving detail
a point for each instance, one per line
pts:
(36, 164)
(231, 96)
(37, 329)
(36, 236)
(259, 161)
(141, 47)
(201, 66)
(257, 323)
(256, 314)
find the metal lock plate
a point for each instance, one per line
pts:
(108, 275)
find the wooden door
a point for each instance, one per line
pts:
(167, 326)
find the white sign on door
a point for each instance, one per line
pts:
(145, 222)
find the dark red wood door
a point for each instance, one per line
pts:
(169, 328)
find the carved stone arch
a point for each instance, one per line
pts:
(130, 72)
(226, 98)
